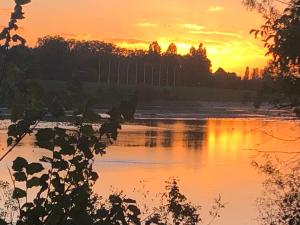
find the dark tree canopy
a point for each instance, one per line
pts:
(56, 58)
(172, 49)
(281, 34)
(154, 48)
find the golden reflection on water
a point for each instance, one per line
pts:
(210, 157)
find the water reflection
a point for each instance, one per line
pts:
(213, 134)
(193, 139)
(210, 157)
(166, 134)
(151, 139)
(225, 134)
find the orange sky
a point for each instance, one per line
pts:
(223, 26)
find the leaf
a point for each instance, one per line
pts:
(87, 130)
(17, 38)
(43, 184)
(55, 216)
(46, 159)
(102, 213)
(44, 177)
(57, 185)
(20, 176)
(100, 148)
(134, 209)
(114, 199)
(2, 222)
(18, 193)
(60, 131)
(12, 131)
(129, 201)
(134, 219)
(94, 176)
(84, 147)
(33, 168)
(22, 127)
(67, 149)
(28, 205)
(60, 165)
(33, 182)
(45, 138)
(9, 141)
(19, 164)
(22, 2)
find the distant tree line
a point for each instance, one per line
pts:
(55, 58)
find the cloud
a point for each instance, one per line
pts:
(128, 41)
(147, 24)
(215, 42)
(193, 26)
(215, 8)
(216, 33)
(76, 36)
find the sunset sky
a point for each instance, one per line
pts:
(223, 26)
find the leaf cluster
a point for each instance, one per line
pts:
(280, 202)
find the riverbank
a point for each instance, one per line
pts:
(107, 94)
(188, 110)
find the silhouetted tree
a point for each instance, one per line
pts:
(154, 48)
(281, 34)
(172, 49)
(193, 51)
(247, 73)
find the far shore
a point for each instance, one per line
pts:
(187, 110)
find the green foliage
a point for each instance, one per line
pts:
(8, 206)
(19, 164)
(16, 15)
(71, 175)
(19, 193)
(59, 59)
(280, 34)
(279, 203)
(177, 209)
(63, 179)
(2, 222)
(33, 168)
(45, 138)
(22, 2)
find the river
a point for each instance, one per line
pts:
(210, 157)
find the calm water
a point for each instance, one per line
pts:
(210, 157)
